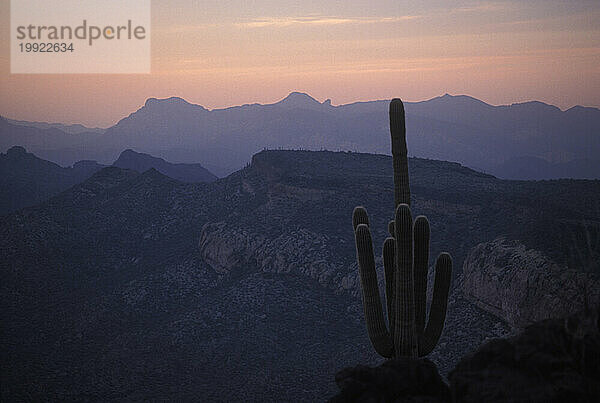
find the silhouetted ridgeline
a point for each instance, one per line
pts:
(71, 129)
(530, 140)
(140, 162)
(137, 286)
(28, 180)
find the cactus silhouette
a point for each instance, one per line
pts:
(405, 261)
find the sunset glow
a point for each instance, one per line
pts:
(223, 53)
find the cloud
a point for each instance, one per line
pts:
(280, 22)
(484, 6)
(319, 20)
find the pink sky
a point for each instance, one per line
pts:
(227, 52)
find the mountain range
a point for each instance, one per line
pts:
(71, 129)
(530, 140)
(28, 180)
(136, 286)
(141, 162)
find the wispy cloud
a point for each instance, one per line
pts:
(319, 20)
(279, 22)
(485, 6)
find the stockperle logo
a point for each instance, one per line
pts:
(80, 36)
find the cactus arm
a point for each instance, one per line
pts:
(359, 216)
(405, 339)
(376, 327)
(388, 263)
(439, 304)
(421, 266)
(399, 151)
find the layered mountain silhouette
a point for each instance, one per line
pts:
(56, 145)
(71, 129)
(136, 286)
(495, 139)
(141, 162)
(27, 180)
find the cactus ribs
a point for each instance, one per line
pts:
(405, 258)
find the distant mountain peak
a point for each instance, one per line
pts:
(535, 106)
(148, 165)
(16, 150)
(130, 156)
(301, 100)
(28, 180)
(170, 102)
(129, 151)
(296, 96)
(449, 97)
(583, 109)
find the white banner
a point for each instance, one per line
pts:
(80, 36)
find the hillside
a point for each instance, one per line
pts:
(140, 162)
(27, 180)
(131, 286)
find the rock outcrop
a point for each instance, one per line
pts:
(301, 251)
(400, 380)
(555, 360)
(522, 285)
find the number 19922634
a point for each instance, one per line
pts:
(45, 47)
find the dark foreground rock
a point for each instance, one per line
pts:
(401, 380)
(551, 361)
(555, 360)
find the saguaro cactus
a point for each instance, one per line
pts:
(405, 261)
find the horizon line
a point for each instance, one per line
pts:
(285, 97)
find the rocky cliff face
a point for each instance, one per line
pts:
(300, 252)
(522, 285)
